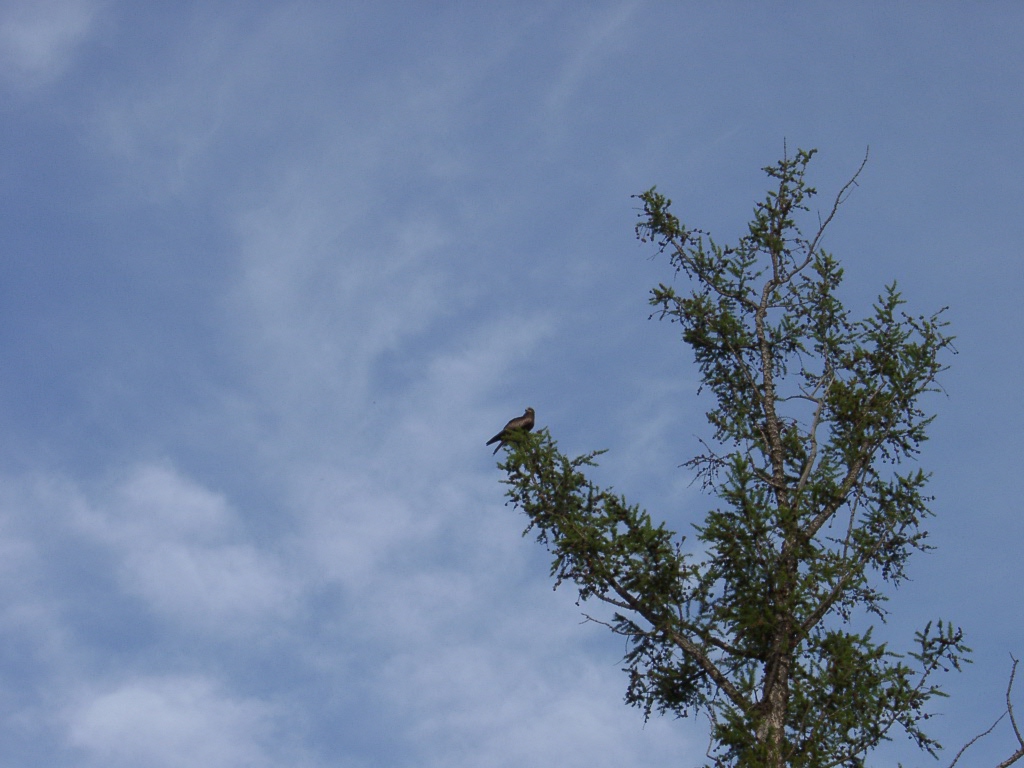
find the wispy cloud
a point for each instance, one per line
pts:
(38, 39)
(601, 35)
(323, 254)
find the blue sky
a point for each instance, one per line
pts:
(273, 272)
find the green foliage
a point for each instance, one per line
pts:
(815, 417)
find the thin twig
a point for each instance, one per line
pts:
(1013, 721)
(840, 199)
(979, 736)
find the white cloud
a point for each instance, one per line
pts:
(167, 722)
(38, 37)
(33, 511)
(154, 502)
(182, 549)
(351, 529)
(526, 696)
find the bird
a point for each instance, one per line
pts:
(524, 423)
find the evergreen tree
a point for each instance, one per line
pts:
(816, 420)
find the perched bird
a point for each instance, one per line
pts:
(524, 423)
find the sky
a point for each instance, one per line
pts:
(272, 273)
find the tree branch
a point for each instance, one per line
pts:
(1013, 721)
(1009, 701)
(840, 199)
(685, 644)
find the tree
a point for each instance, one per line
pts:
(764, 625)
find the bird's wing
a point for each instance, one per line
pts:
(524, 422)
(515, 423)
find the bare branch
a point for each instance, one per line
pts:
(1013, 721)
(1012, 759)
(812, 435)
(840, 199)
(981, 735)
(1009, 701)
